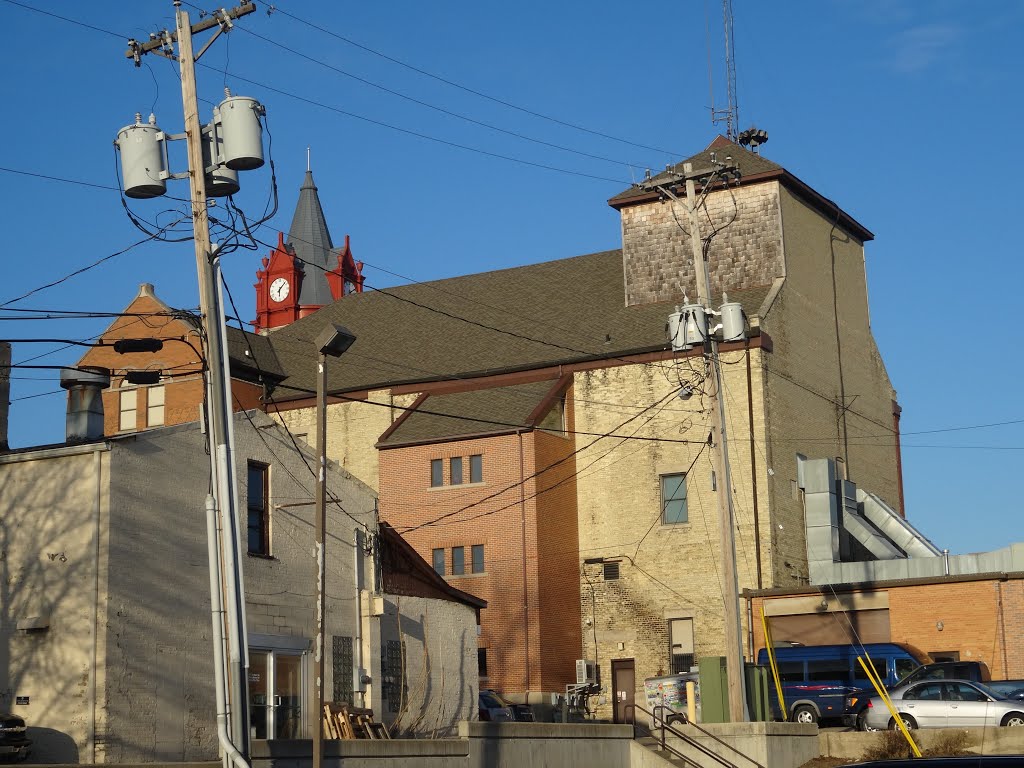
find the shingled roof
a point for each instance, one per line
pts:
(753, 169)
(516, 319)
(311, 241)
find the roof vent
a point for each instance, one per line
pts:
(85, 387)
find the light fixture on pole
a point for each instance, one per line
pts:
(332, 342)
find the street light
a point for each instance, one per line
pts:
(332, 341)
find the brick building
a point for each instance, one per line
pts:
(532, 434)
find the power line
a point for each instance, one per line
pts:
(442, 110)
(482, 95)
(57, 178)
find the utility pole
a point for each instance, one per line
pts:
(219, 413)
(720, 452)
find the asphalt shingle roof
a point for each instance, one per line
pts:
(480, 411)
(512, 319)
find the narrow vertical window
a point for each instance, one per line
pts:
(155, 406)
(673, 499)
(439, 561)
(456, 468)
(129, 404)
(680, 638)
(478, 558)
(476, 468)
(481, 662)
(259, 508)
(436, 473)
(458, 561)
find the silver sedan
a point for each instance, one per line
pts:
(945, 703)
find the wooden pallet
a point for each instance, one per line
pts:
(342, 721)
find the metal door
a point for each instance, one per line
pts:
(967, 705)
(925, 703)
(624, 688)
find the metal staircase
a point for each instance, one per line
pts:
(685, 745)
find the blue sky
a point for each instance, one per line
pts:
(894, 109)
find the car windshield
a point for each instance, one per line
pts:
(491, 701)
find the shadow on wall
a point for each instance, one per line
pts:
(51, 746)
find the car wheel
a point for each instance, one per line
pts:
(804, 714)
(908, 721)
(1014, 718)
(862, 721)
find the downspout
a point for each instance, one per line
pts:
(90, 745)
(526, 594)
(753, 473)
(231, 754)
(896, 412)
(357, 641)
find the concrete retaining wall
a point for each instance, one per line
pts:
(772, 745)
(983, 741)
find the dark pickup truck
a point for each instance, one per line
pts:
(975, 671)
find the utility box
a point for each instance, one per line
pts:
(714, 690)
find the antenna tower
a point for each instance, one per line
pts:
(731, 114)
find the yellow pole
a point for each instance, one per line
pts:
(771, 661)
(888, 702)
(691, 702)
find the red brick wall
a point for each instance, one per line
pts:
(981, 620)
(528, 646)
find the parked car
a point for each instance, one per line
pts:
(972, 671)
(494, 709)
(945, 703)
(14, 744)
(816, 679)
(966, 761)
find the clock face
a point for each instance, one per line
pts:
(279, 289)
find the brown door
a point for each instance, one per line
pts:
(624, 688)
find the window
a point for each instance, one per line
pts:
(341, 664)
(481, 662)
(611, 571)
(476, 468)
(791, 671)
(903, 668)
(439, 561)
(259, 509)
(680, 638)
(129, 402)
(878, 669)
(155, 406)
(458, 561)
(478, 558)
(673, 499)
(456, 470)
(829, 669)
(436, 473)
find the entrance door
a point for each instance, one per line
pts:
(275, 695)
(624, 687)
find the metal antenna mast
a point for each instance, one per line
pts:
(731, 113)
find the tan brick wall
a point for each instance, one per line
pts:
(747, 252)
(802, 377)
(666, 571)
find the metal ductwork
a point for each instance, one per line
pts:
(85, 401)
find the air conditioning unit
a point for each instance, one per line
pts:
(586, 672)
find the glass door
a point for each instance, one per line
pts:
(275, 695)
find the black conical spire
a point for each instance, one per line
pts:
(311, 240)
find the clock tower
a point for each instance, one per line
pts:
(305, 271)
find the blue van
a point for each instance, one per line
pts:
(816, 678)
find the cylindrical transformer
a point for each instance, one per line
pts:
(732, 321)
(142, 159)
(221, 181)
(695, 330)
(241, 132)
(675, 331)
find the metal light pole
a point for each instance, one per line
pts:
(332, 341)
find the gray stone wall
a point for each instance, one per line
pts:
(746, 252)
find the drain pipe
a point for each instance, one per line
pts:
(945, 561)
(231, 754)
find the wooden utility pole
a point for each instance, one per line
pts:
(218, 386)
(720, 448)
(726, 514)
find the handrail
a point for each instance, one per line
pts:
(659, 720)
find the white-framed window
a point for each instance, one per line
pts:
(128, 410)
(155, 406)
